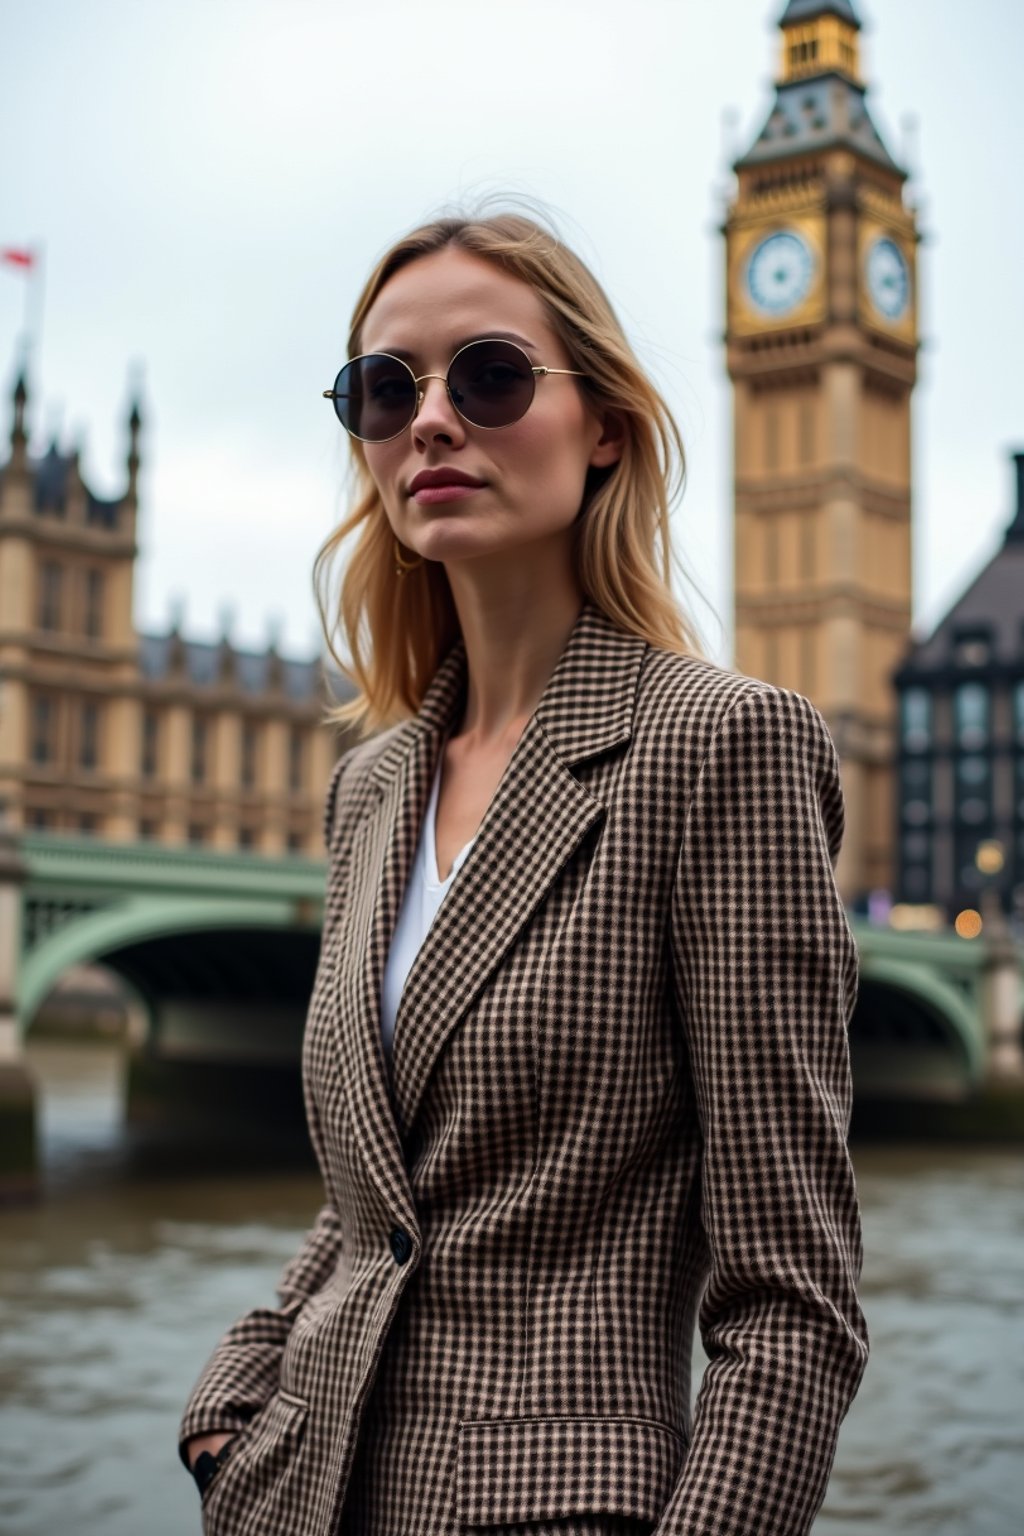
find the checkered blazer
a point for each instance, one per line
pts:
(618, 1108)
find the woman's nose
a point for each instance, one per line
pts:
(435, 410)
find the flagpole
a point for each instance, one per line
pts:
(32, 338)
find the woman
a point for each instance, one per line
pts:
(576, 1062)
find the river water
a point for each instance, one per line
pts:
(115, 1287)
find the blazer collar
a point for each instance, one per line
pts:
(585, 708)
(537, 818)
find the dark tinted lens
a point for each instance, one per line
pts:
(375, 397)
(492, 383)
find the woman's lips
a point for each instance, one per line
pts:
(428, 494)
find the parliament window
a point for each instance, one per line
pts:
(250, 743)
(44, 729)
(88, 739)
(150, 742)
(199, 749)
(296, 758)
(50, 589)
(94, 603)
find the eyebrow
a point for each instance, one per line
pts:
(403, 352)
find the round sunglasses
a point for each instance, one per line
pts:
(491, 383)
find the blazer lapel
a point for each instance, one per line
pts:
(536, 819)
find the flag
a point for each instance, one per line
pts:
(18, 258)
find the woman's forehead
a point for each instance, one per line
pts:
(442, 300)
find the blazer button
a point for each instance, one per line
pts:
(401, 1244)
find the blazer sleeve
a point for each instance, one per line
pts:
(766, 975)
(244, 1369)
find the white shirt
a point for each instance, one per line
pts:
(423, 895)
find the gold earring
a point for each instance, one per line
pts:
(403, 566)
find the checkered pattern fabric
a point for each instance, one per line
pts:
(617, 1111)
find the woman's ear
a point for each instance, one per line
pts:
(609, 446)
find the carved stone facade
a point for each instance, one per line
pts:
(123, 736)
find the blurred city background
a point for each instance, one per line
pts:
(809, 217)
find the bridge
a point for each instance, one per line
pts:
(217, 952)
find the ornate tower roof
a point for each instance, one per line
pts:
(807, 10)
(819, 95)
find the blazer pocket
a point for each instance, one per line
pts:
(541, 1467)
(265, 1448)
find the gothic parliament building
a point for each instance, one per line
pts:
(108, 733)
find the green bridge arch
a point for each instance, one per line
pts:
(95, 935)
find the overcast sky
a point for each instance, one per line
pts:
(212, 180)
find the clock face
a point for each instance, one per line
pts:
(779, 272)
(888, 279)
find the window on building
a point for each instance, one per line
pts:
(150, 743)
(916, 719)
(968, 837)
(51, 583)
(973, 784)
(973, 772)
(88, 740)
(916, 792)
(196, 832)
(86, 822)
(200, 749)
(37, 818)
(250, 743)
(94, 603)
(971, 715)
(296, 842)
(246, 837)
(44, 729)
(296, 757)
(149, 828)
(972, 648)
(917, 864)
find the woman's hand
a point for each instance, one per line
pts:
(211, 1443)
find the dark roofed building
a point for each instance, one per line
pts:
(960, 791)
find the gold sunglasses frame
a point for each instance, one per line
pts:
(538, 370)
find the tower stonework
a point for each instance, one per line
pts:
(821, 345)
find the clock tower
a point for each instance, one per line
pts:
(821, 347)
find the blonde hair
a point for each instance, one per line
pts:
(411, 620)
